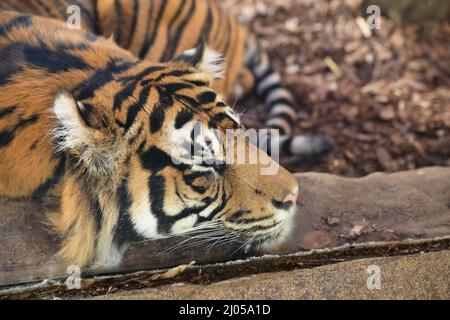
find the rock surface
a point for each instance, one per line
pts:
(422, 276)
(379, 207)
(331, 211)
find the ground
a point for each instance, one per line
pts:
(382, 96)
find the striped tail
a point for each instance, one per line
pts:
(282, 113)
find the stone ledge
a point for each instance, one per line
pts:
(331, 211)
(420, 276)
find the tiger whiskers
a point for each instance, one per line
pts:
(192, 241)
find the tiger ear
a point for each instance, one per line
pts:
(72, 130)
(74, 133)
(203, 59)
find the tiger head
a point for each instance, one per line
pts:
(152, 152)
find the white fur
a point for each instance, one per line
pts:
(238, 91)
(212, 63)
(283, 108)
(280, 122)
(207, 212)
(301, 145)
(145, 223)
(112, 259)
(279, 93)
(274, 78)
(185, 223)
(262, 67)
(72, 132)
(232, 115)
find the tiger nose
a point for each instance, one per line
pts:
(291, 196)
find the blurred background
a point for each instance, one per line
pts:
(382, 95)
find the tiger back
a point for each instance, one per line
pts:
(158, 30)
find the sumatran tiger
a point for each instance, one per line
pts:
(105, 122)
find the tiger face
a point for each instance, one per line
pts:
(159, 165)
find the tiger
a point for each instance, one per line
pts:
(102, 115)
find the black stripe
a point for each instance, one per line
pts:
(149, 41)
(207, 97)
(147, 26)
(228, 31)
(189, 179)
(238, 214)
(258, 228)
(172, 88)
(283, 116)
(175, 73)
(125, 231)
(286, 147)
(157, 187)
(95, 18)
(266, 74)
(46, 8)
(51, 61)
(157, 118)
(165, 56)
(218, 34)
(85, 13)
(124, 94)
(16, 22)
(101, 77)
(133, 139)
(118, 24)
(280, 101)
(71, 46)
(134, 80)
(173, 44)
(155, 159)
(220, 117)
(90, 37)
(146, 72)
(8, 135)
(95, 209)
(265, 93)
(134, 109)
(277, 127)
(133, 23)
(197, 83)
(33, 7)
(250, 220)
(40, 191)
(282, 205)
(6, 111)
(187, 101)
(183, 117)
(222, 205)
(206, 29)
(61, 7)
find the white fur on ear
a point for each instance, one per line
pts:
(204, 59)
(71, 131)
(212, 63)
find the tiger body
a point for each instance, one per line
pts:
(158, 30)
(104, 123)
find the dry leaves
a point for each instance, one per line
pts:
(383, 95)
(171, 273)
